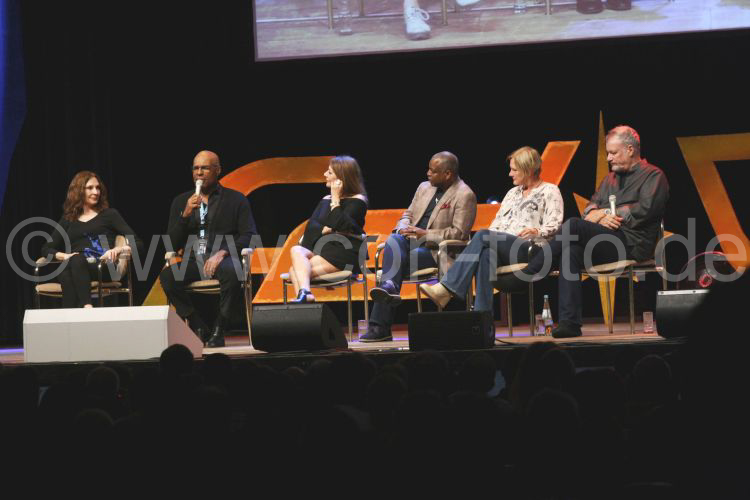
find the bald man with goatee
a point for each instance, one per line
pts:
(211, 224)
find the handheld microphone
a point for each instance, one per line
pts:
(198, 185)
(612, 200)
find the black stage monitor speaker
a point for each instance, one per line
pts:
(299, 327)
(451, 330)
(674, 309)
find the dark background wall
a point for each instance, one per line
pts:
(133, 90)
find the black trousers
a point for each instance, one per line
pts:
(76, 278)
(228, 273)
(570, 257)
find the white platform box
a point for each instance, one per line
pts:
(104, 334)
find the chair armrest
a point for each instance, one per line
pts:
(442, 254)
(452, 243)
(378, 250)
(44, 261)
(247, 256)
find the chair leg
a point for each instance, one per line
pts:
(366, 300)
(37, 300)
(349, 308)
(130, 284)
(99, 285)
(610, 318)
(509, 304)
(361, 8)
(419, 299)
(329, 8)
(444, 11)
(632, 301)
(248, 294)
(532, 322)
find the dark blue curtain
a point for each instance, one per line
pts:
(12, 93)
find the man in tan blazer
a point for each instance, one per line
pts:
(443, 208)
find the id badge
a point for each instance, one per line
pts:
(201, 246)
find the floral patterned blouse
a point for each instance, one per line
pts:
(542, 209)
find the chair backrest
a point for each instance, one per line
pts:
(485, 215)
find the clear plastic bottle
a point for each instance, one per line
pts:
(547, 316)
(346, 12)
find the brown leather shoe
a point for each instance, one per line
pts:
(437, 293)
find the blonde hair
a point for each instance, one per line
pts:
(527, 161)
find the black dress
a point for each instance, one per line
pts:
(348, 219)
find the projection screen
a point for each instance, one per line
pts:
(286, 29)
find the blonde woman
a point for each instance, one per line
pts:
(531, 211)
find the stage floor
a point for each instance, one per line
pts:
(593, 335)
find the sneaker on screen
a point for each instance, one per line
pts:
(415, 23)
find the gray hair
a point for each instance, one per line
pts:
(628, 136)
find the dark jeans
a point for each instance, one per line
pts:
(401, 257)
(75, 280)
(228, 274)
(486, 251)
(569, 255)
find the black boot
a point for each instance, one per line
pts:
(200, 329)
(217, 337)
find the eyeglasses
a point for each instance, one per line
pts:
(202, 167)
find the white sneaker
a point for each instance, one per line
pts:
(466, 3)
(416, 27)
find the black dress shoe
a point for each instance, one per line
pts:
(217, 338)
(386, 293)
(566, 330)
(618, 4)
(203, 334)
(376, 333)
(199, 328)
(589, 6)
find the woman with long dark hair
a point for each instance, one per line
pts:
(91, 227)
(333, 236)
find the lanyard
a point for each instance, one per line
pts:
(203, 214)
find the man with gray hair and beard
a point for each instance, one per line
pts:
(641, 192)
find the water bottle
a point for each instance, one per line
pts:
(346, 12)
(547, 316)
